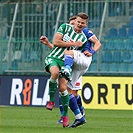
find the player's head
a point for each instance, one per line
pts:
(81, 21)
(72, 20)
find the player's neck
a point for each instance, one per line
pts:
(76, 30)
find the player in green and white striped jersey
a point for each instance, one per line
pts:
(67, 36)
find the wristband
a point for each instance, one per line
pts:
(92, 51)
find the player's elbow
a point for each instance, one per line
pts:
(100, 45)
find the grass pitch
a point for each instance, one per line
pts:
(39, 120)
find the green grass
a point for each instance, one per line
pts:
(40, 120)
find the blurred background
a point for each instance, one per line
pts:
(22, 22)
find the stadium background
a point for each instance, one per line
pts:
(23, 22)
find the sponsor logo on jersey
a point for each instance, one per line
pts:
(66, 38)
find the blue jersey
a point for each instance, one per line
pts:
(88, 33)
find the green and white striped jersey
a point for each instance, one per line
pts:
(69, 35)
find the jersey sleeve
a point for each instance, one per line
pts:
(88, 33)
(61, 29)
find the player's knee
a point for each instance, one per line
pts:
(70, 52)
(75, 93)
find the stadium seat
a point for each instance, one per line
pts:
(126, 56)
(107, 56)
(122, 67)
(112, 33)
(104, 67)
(129, 46)
(130, 67)
(117, 44)
(26, 56)
(18, 55)
(108, 45)
(34, 56)
(4, 66)
(94, 58)
(93, 67)
(116, 57)
(113, 67)
(122, 33)
(130, 32)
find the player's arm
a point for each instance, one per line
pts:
(58, 41)
(96, 42)
(93, 50)
(44, 40)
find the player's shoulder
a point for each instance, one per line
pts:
(87, 30)
(65, 25)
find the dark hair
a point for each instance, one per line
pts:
(83, 15)
(72, 18)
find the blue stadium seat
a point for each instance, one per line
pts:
(94, 58)
(117, 45)
(110, 45)
(130, 32)
(93, 67)
(34, 56)
(130, 67)
(104, 67)
(122, 67)
(122, 33)
(129, 46)
(26, 56)
(117, 57)
(107, 56)
(113, 67)
(126, 56)
(112, 33)
(4, 66)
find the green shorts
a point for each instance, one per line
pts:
(49, 62)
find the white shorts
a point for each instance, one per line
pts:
(81, 65)
(78, 85)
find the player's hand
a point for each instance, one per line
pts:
(44, 40)
(87, 53)
(78, 43)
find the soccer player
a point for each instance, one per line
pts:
(80, 60)
(78, 85)
(66, 36)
